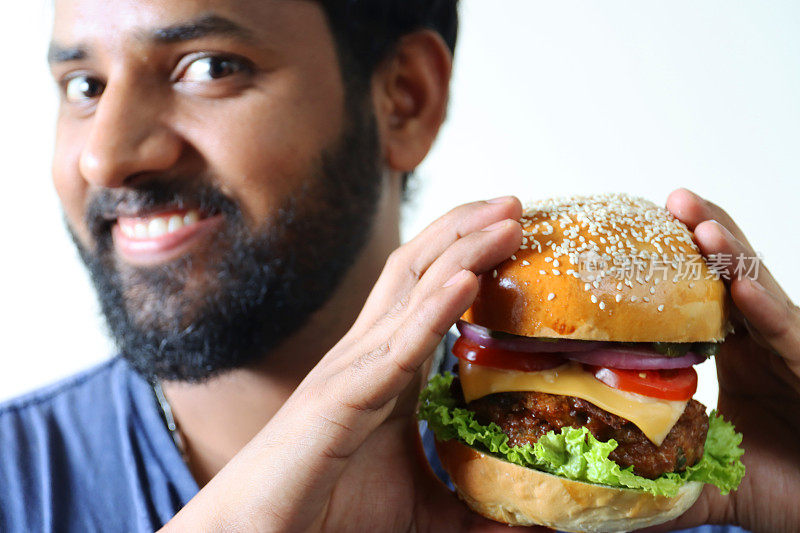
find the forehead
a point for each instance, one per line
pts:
(116, 22)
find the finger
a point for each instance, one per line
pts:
(408, 264)
(692, 209)
(401, 346)
(350, 404)
(733, 258)
(716, 233)
(426, 247)
(769, 313)
(478, 252)
(774, 317)
(475, 253)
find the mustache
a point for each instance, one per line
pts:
(106, 205)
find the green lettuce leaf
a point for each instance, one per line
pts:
(575, 453)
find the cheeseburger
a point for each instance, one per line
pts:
(571, 404)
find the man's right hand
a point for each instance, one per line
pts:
(343, 453)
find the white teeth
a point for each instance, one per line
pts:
(157, 227)
(175, 223)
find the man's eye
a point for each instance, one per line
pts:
(211, 68)
(81, 88)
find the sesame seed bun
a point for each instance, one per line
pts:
(521, 496)
(606, 267)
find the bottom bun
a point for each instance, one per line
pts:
(521, 496)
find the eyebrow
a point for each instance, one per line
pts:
(203, 26)
(61, 54)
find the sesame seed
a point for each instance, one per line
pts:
(494, 274)
(594, 299)
(551, 296)
(646, 299)
(556, 272)
(525, 262)
(661, 307)
(586, 286)
(548, 259)
(618, 297)
(652, 290)
(513, 257)
(542, 272)
(602, 305)
(555, 263)
(634, 298)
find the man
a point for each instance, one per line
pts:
(232, 174)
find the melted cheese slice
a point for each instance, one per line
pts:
(653, 416)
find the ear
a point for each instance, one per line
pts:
(410, 92)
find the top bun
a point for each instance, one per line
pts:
(606, 267)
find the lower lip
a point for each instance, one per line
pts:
(151, 251)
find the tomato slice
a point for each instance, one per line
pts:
(507, 359)
(674, 384)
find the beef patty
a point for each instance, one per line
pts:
(526, 416)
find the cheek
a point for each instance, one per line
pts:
(265, 147)
(70, 187)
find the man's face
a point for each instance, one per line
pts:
(213, 173)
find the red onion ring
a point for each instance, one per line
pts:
(485, 337)
(634, 359)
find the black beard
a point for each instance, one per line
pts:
(192, 319)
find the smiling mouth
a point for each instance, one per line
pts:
(163, 236)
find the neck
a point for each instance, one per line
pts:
(218, 417)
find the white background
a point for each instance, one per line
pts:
(548, 98)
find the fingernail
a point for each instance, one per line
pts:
(456, 278)
(496, 225)
(499, 200)
(757, 284)
(725, 231)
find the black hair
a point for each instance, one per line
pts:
(366, 32)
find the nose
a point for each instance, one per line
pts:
(128, 136)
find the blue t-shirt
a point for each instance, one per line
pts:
(92, 453)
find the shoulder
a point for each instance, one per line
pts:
(73, 387)
(61, 443)
(71, 418)
(89, 453)
(68, 419)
